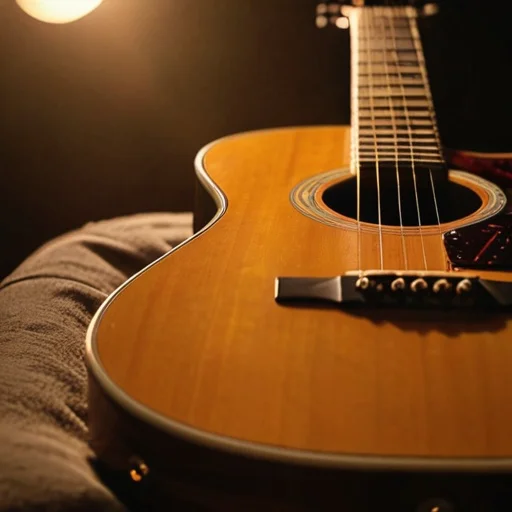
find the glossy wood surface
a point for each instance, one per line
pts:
(198, 337)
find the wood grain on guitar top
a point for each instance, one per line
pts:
(198, 337)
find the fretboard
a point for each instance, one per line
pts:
(393, 119)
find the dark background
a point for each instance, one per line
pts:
(103, 117)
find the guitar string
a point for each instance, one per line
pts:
(354, 22)
(373, 122)
(395, 137)
(418, 48)
(410, 133)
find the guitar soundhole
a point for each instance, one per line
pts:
(453, 202)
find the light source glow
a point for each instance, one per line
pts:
(58, 11)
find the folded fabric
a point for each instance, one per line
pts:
(46, 305)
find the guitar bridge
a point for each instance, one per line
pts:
(396, 289)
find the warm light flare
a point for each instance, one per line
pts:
(58, 11)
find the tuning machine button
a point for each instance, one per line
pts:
(331, 13)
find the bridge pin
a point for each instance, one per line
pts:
(398, 284)
(363, 283)
(464, 287)
(418, 285)
(441, 285)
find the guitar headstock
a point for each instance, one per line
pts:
(333, 12)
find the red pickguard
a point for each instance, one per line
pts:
(487, 244)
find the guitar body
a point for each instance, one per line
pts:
(197, 370)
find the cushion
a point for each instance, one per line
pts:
(46, 305)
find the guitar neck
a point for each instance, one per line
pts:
(393, 118)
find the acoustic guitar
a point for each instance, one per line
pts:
(338, 336)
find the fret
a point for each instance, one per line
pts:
(385, 87)
(379, 118)
(397, 33)
(393, 115)
(391, 163)
(404, 165)
(401, 110)
(399, 146)
(393, 54)
(391, 92)
(382, 45)
(375, 77)
(365, 112)
(384, 36)
(403, 145)
(380, 101)
(394, 137)
(402, 22)
(374, 64)
(400, 157)
(423, 161)
(394, 128)
(383, 80)
(369, 122)
(399, 150)
(389, 69)
(383, 132)
(394, 103)
(392, 141)
(412, 131)
(407, 65)
(408, 149)
(401, 139)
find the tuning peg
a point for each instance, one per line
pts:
(330, 13)
(429, 9)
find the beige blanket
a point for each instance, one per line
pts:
(45, 308)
